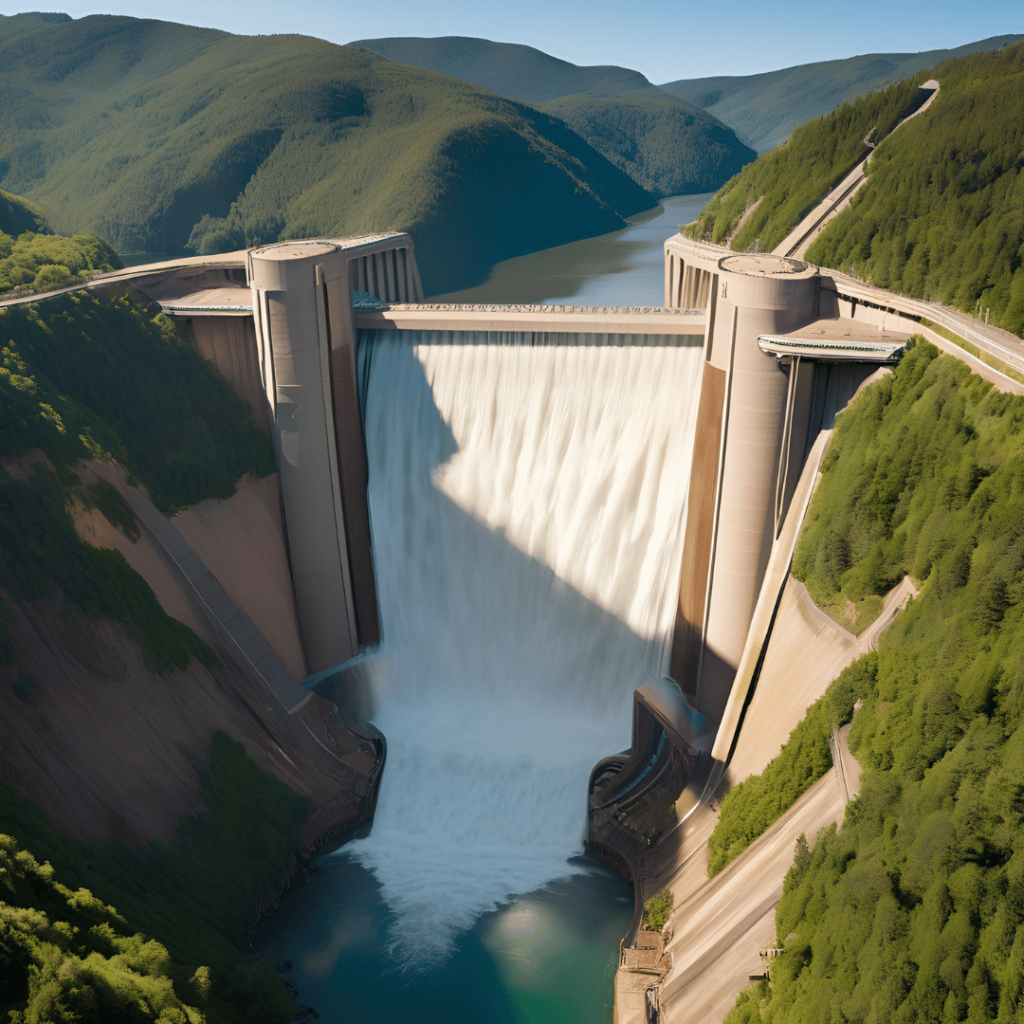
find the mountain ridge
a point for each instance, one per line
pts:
(205, 138)
(666, 145)
(752, 104)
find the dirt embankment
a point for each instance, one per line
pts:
(108, 747)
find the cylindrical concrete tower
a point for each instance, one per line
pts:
(303, 313)
(740, 454)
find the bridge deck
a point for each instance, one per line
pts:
(541, 319)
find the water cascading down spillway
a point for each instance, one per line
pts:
(527, 496)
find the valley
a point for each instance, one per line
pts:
(507, 630)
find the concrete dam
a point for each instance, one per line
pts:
(536, 519)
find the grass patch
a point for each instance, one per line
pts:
(855, 616)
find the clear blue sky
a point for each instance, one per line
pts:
(665, 39)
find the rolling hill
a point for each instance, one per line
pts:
(160, 136)
(519, 72)
(764, 109)
(668, 148)
(18, 215)
(666, 145)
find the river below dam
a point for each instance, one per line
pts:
(526, 508)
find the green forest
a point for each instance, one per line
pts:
(913, 910)
(666, 146)
(159, 137)
(167, 950)
(941, 214)
(791, 180)
(939, 217)
(33, 259)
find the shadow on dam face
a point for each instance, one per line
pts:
(499, 684)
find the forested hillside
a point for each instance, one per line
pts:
(665, 145)
(789, 181)
(33, 259)
(765, 108)
(668, 148)
(510, 69)
(18, 215)
(914, 909)
(940, 215)
(87, 377)
(166, 951)
(157, 136)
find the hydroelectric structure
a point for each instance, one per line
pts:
(750, 359)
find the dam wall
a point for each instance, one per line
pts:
(229, 343)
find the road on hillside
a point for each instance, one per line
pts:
(720, 929)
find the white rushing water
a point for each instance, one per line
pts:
(527, 507)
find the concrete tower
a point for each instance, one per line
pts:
(302, 307)
(752, 423)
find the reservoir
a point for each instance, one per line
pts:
(519, 614)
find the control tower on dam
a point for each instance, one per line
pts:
(779, 362)
(302, 313)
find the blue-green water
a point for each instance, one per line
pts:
(546, 958)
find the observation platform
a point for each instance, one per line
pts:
(210, 302)
(837, 341)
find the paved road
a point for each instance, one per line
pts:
(228, 259)
(799, 240)
(721, 927)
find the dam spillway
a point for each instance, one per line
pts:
(484, 683)
(527, 499)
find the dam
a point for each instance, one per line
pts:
(580, 504)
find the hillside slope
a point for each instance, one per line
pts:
(766, 108)
(913, 910)
(939, 216)
(34, 259)
(133, 749)
(18, 215)
(667, 146)
(156, 136)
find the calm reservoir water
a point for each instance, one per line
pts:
(624, 268)
(369, 938)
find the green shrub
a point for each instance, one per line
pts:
(182, 910)
(656, 910)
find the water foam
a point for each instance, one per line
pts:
(527, 506)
